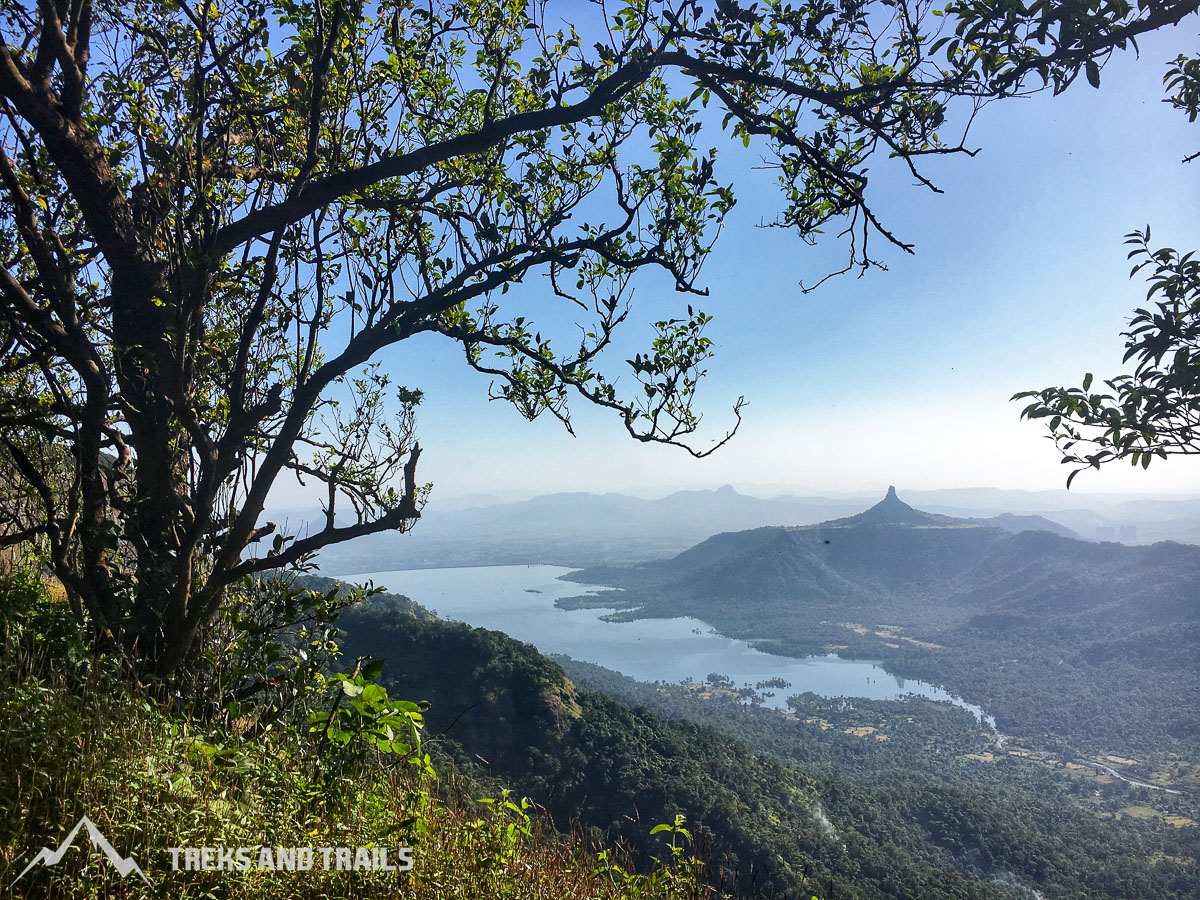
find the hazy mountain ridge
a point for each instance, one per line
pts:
(956, 560)
(580, 529)
(1015, 524)
(571, 529)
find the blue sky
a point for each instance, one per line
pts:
(900, 377)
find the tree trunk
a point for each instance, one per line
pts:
(148, 359)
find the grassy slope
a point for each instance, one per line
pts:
(74, 742)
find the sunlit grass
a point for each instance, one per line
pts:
(76, 743)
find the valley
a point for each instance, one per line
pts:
(918, 705)
(1070, 645)
(461, 429)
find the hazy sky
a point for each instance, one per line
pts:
(1019, 281)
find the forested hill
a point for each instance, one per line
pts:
(1094, 643)
(893, 552)
(918, 818)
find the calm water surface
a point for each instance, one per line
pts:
(519, 600)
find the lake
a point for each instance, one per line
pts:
(519, 600)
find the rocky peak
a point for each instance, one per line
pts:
(891, 510)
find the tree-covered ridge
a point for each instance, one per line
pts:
(514, 713)
(917, 772)
(810, 802)
(1090, 645)
(395, 604)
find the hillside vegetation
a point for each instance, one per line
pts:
(862, 800)
(150, 776)
(846, 798)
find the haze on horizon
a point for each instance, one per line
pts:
(902, 377)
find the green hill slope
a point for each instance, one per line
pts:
(77, 742)
(777, 803)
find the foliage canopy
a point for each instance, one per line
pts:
(217, 216)
(1155, 411)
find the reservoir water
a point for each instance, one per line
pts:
(519, 600)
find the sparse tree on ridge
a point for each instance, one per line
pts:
(217, 215)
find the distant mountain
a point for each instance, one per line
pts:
(579, 529)
(891, 510)
(1130, 519)
(1016, 621)
(1015, 524)
(573, 529)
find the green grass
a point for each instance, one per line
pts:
(78, 742)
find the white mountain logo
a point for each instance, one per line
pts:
(47, 857)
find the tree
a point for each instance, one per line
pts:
(1155, 411)
(217, 216)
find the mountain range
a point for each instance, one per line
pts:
(1056, 636)
(580, 529)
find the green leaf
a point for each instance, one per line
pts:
(373, 693)
(372, 670)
